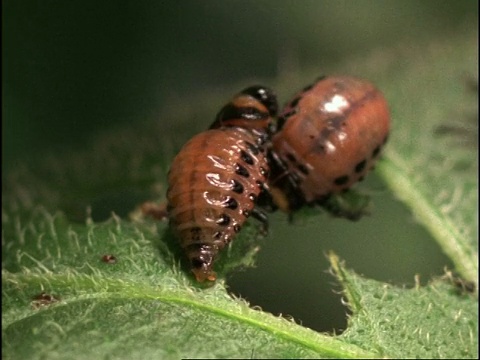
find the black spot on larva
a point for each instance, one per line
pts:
(246, 157)
(237, 228)
(231, 111)
(308, 87)
(237, 187)
(294, 102)
(376, 151)
(263, 171)
(361, 178)
(196, 233)
(231, 203)
(280, 122)
(252, 197)
(217, 235)
(223, 220)
(319, 148)
(291, 158)
(341, 180)
(360, 166)
(283, 119)
(253, 148)
(242, 171)
(252, 113)
(289, 114)
(303, 169)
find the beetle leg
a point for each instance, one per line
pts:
(265, 199)
(262, 217)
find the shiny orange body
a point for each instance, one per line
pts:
(330, 135)
(204, 209)
(217, 176)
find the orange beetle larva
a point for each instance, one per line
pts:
(328, 137)
(217, 176)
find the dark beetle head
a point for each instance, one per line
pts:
(251, 109)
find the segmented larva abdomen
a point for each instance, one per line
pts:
(213, 184)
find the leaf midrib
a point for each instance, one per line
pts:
(113, 288)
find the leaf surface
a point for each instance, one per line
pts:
(58, 225)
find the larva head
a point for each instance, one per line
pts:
(265, 96)
(201, 261)
(253, 108)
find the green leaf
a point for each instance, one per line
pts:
(58, 224)
(142, 305)
(431, 162)
(425, 322)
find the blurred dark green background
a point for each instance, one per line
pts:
(73, 69)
